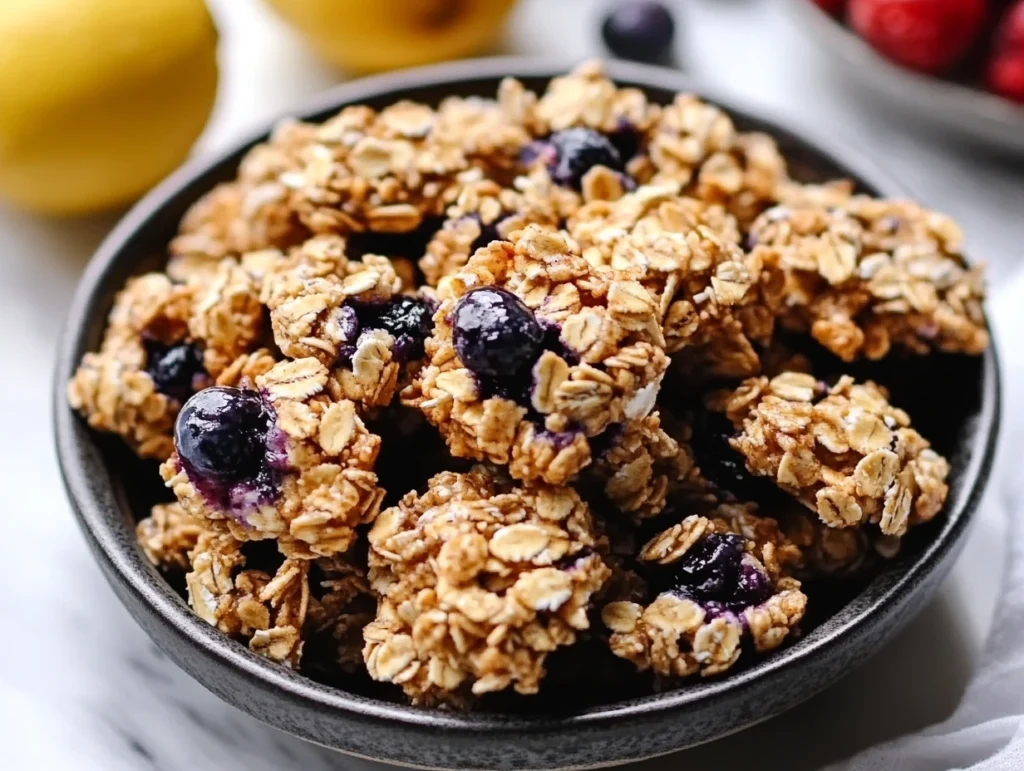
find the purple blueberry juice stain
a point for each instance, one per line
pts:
(717, 574)
(177, 370)
(231, 450)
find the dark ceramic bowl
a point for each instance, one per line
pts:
(103, 483)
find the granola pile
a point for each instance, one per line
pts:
(454, 402)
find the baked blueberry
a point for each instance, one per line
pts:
(577, 151)
(495, 334)
(407, 319)
(221, 434)
(714, 573)
(174, 368)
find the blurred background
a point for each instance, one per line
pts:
(99, 99)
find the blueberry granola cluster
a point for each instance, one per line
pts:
(449, 400)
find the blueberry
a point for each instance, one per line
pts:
(495, 334)
(640, 30)
(577, 151)
(174, 368)
(405, 316)
(409, 320)
(714, 574)
(221, 434)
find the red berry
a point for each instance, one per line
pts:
(1010, 32)
(1005, 75)
(833, 7)
(926, 35)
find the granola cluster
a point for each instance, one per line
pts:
(724, 581)
(843, 451)
(591, 357)
(449, 395)
(479, 580)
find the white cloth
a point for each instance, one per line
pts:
(986, 732)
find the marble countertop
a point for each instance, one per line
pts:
(82, 687)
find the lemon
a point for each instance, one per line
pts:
(370, 35)
(99, 99)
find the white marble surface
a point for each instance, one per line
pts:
(81, 687)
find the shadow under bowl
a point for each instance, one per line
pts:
(110, 489)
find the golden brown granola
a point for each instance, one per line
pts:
(327, 486)
(313, 296)
(682, 633)
(686, 253)
(844, 451)
(266, 610)
(872, 274)
(608, 372)
(168, 534)
(112, 388)
(485, 211)
(479, 580)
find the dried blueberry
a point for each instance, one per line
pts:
(174, 368)
(640, 30)
(577, 151)
(221, 434)
(495, 334)
(714, 573)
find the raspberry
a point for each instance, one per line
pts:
(1005, 75)
(1010, 32)
(930, 36)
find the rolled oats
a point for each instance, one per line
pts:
(867, 275)
(843, 451)
(479, 580)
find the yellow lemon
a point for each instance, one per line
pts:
(370, 35)
(99, 99)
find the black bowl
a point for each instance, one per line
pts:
(102, 481)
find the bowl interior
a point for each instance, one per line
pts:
(952, 400)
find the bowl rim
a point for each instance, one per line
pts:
(127, 566)
(858, 53)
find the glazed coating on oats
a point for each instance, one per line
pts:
(687, 254)
(868, 275)
(722, 578)
(147, 366)
(553, 353)
(267, 611)
(843, 451)
(311, 482)
(479, 581)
